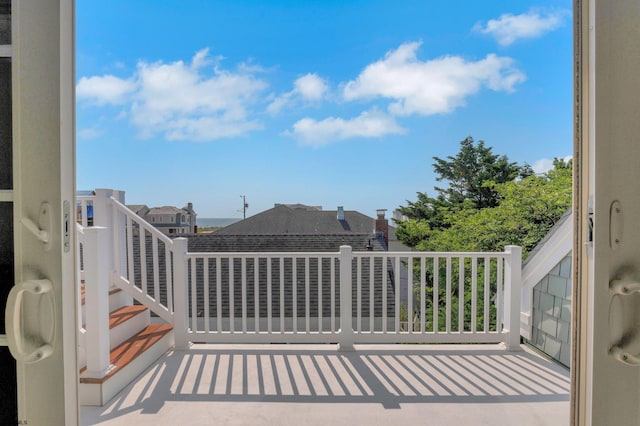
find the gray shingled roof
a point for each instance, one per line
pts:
(164, 210)
(285, 220)
(216, 242)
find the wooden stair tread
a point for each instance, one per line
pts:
(129, 350)
(122, 315)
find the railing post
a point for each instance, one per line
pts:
(103, 216)
(96, 301)
(180, 296)
(512, 290)
(345, 334)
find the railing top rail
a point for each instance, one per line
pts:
(152, 229)
(430, 253)
(85, 197)
(262, 254)
(415, 254)
(80, 229)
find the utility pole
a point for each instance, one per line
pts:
(245, 206)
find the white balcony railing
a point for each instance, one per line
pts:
(345, 297)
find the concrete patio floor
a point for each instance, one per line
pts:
(319, 385)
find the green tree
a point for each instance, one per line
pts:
(469, 172)
(523, 211)
(472, 176)
(527, 210)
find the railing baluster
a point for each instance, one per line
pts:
(205, 274)
(232, 319)
(397, 292)
(194, 297)
(461, 294)
(143, 259)
(359, 294)
(499, 299)
(423, 295)
(156, 270)
(131, 276)
(332, 268)
(307, 294)
(269, 296)
(243, 283)
(115, 229)
(474, 291)
(282, 295)
(385, 286)
(486, 288)
(448, 297)
(371, 293)
(256, 294)
(410, 294)
(294, 283)
(320, 263)
(169, 277)
(436, 295)
(219, 294)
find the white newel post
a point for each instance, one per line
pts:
(180, 296)
(103, 216)
(345, 334)
(96, 301)
(512, 296)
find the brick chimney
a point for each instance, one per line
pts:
(381, 225)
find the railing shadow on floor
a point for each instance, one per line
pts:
(390, 377)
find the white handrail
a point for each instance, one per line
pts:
(144, 224)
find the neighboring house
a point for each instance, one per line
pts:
(299, 219)
(545, 321)
(168, 219)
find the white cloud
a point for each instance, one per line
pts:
(543, 165)
(107, 89)
(369, 124)
(308, 88)
(183, 101)
(509, 28)
(311, 87)
(430, 87)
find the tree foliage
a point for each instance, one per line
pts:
(489, 203)
(469, 172)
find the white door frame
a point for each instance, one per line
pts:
(606, 169)
(44, 171)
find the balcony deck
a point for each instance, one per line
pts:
(318, 385)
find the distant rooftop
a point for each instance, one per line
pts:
(283, 219)
(215, 242)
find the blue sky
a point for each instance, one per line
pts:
(333, 103)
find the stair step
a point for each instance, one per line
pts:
(83, 292)
(127, 352)
(122, 315)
